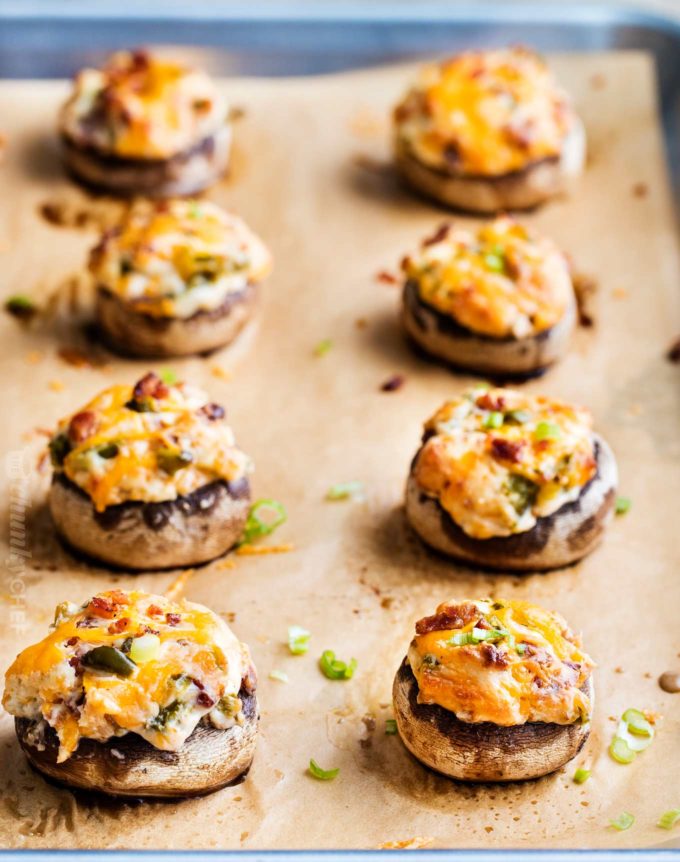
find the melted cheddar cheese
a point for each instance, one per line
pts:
(141, 106)
(484, 113)
(507, 662)
(149, 442)
(160, 668)
(499, 281)
(497, 459)
(176, 258)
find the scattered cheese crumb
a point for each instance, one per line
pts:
(415, 843)
(177, 586)
(256, 550)
(56, 385)
(34, 357)
(221, 373)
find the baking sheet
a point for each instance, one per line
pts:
(311, 174)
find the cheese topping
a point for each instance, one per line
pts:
(141, 106)
(507, 662)
(500, 281)
(150, 442)
(496, 459)
(176, 258)
(484, 113)
(130, 662)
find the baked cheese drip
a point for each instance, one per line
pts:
(484, 113)
(141, 106)
(176, 258)
(500, 280)
(149, 443)
(497, 459)
(507, 662)
(130, 662)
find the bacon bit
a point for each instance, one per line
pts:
(386, 277)
(257, 550)
(506, 450)
(72, 641)
(652, 717)
(118, 626)
(226, 564)
(150, 386)
(107, 606)
(492, 656)
(673, 354)
(154, 611)
(454, 617)
(178, 584)
(392, 384)
(487, 401)
(57, 385)
(361, 323)
(82, 426)
(212, 411)
(221, 373)
(74, 662)
(640, 190)
(34, 357)
(75, 357)
(173, 619)
(415, 843)
(204, 699)
(440, 234)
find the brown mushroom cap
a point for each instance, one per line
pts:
(185, 173)
(441, 336)
(519, 190)
(183, 532)
(135, 334)
(483, 751)
(130, 766)
(554, 541)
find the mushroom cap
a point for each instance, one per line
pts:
(555, 540)
(129, 766)
(483, 751)
(183, 174)
(145, 536)
(133, 333)
(519, 190)
(443, 337)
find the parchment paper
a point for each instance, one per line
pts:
(311, 174)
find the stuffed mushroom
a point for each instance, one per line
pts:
(131, 694)
(488, 131)
(145, 124)
(149, 477)
(176, 278)
(512, 481)
(494, 690)
(499, 300)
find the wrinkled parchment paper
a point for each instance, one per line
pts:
(311, 174)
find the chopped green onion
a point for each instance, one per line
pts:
(168, 376)
(390, 726)
(637, 723)
(21, 306)
(264, 517)
(521, 649)
(322, 774)
(345, 491)
(195, 211)
(669, 818)
(298, 640)
(581, 775)
(477, 636)
(278, 675)
(547, 431)
(622, 505)
(334, 668)
(635, 741)
(108, 450)
(145, 648)
(494, 419)
(517, 417)
(620, 751)
(495, 259)
(623, 821)
(323, 347)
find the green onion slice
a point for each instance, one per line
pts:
(622, 505)
(637, 723)
(264, 517)
(517, 417)
(623, 821)
(547, 431)
(477, 636)
(669, 818)
(298, 640)
(494, 419)
(345, 491)
(322, 774)
(323, 347)
(635, 742)
(581, 775)
(278, 675)
(620, 751)
(168, 376)
(334, 668)
(390, 726)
